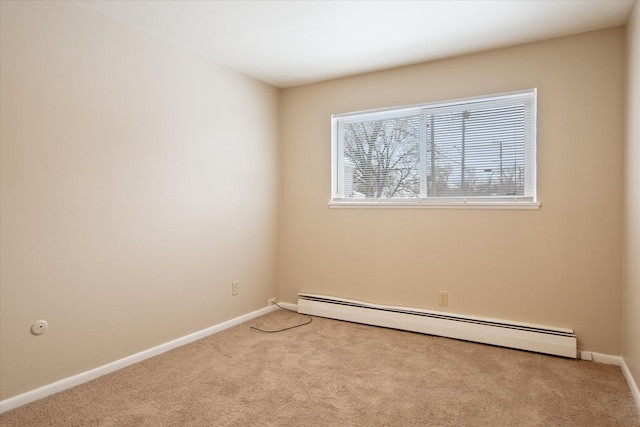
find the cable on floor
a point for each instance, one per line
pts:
(310, 319)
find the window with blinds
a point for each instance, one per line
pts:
(468, 152)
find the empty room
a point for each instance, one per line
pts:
(320, 213)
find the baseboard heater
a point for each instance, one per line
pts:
(522, 336)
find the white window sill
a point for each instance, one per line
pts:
(435, 205)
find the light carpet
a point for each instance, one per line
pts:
(333, 373)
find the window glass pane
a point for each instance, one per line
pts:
(382, 158)
(476, 153)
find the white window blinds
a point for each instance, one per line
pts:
(471, 151)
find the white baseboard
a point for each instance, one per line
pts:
(632, 383)
(288, 306)
(607, 359)
(619, 361)
(83, 377)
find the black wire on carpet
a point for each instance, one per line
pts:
(310, 319)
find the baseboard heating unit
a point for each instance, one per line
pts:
(522, 336)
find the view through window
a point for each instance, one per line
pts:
(479, 150)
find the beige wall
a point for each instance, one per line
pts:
(123, 223)
(134, 190)
(631, 321)
(559, 266)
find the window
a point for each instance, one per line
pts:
(477, 152)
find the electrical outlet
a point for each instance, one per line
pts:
(271, 301)
(443, 298)
(235, 287)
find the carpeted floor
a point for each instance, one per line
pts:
(332, 373)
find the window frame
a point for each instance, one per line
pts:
(527, 201)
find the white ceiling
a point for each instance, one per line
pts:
(289, 43)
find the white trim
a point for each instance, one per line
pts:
(538, 338)
(455, 102)
(635, 392)
(585, 355)
(83, 377)
(458, 205)
(608, 359)
(288, 306)
(419, 113)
